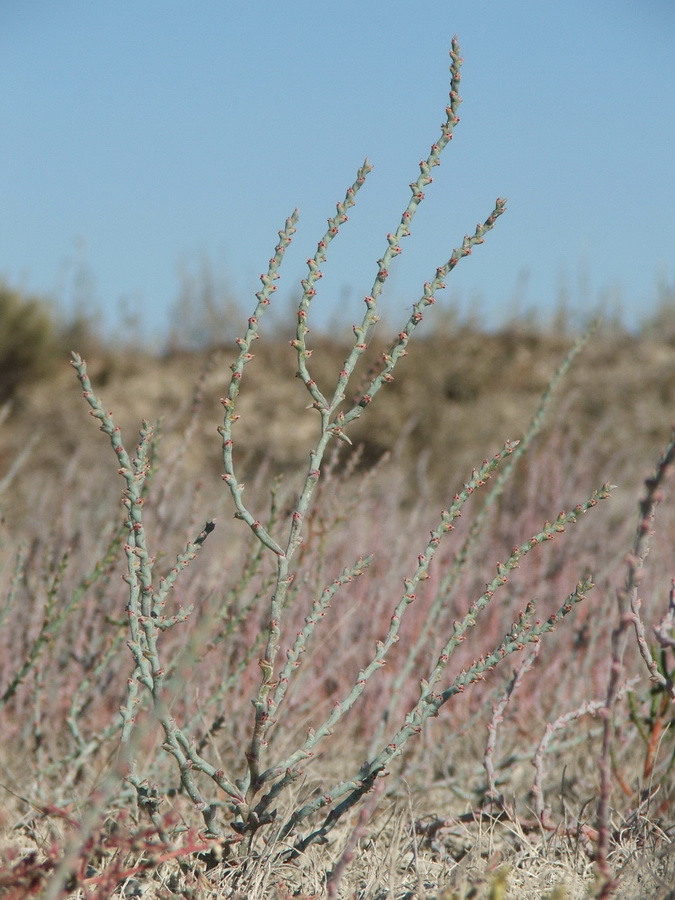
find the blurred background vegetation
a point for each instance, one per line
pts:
(33, 341)
(463, 389)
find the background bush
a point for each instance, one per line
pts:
(33, 341)
(28, 340)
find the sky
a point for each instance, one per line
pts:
(151, 146)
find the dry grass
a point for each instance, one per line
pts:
(437, 833)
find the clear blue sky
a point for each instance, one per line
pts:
(139, 138)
